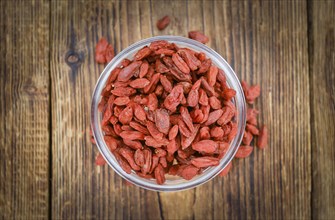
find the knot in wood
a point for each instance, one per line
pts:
(72, 58)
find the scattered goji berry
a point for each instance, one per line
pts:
(198, 36)
(163, 22)
(104, 52)
(263, 137)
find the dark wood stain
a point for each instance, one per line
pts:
(48, 73)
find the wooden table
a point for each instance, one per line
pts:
(48, 74)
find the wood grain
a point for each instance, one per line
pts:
(81, 189)
(274, 183)
(48, 74)
(322, 78)
(24, 111)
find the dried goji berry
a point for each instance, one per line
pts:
(174, 169)
(129, 156)
(214, 102)
(197, 116)
(174, 98)
(142, 53)
(183, 129)
(193, 96)
(139, 83)
(111, 142)
(247, 138)
(211, 75)
(198, 36)
(172, 146)
(201, 56)
(206, 146)
(216, 132)
(100, 49)
(253, 93)
(133, 144)
(263, 137)
(173, 132)
(139, 112)
(132, 135)
(189, 172)
(159, 174)
(205, 161)
(233, 131)
(186, 118)
(123, 162)
(204, 133)
(147, 161)
(204, 66)
(209, 89)
(251, 116)
(155, 161)
(125, 62)
(190, 59)
(228, 93)
(163, 22)
(153, 142)
(126, 115)
(226, 116)
(144, 68)
(127, 72)
(153, 130)
(180, 63)
(163, 162)
(139, 157)
(99, 160)
(252, 129)
(162, 120)
(213, 117)
(164, 51)
(203, 98)
(122, 100)
(152, 102)
(123, 91)
(244, 151)
(187, 141)
(137, 126)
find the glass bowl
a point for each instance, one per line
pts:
(173, 183)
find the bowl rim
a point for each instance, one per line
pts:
(210, 172)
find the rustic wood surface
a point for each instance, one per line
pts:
(48, 74)
(25, 110)
(322, 96)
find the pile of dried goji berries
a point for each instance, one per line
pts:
(167, 111)
(170, 111)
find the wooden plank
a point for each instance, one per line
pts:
(81, 189)
(24, 109)
(322, 78)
